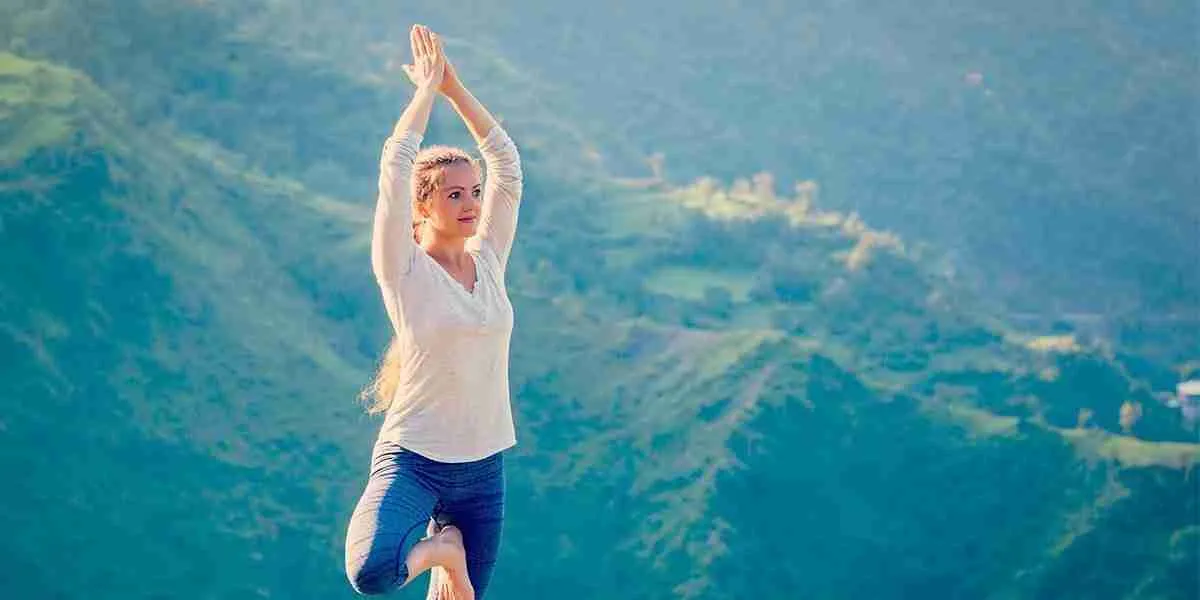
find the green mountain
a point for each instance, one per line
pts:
(721, 392)
(1043, 144)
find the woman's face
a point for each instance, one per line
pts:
(453, 209)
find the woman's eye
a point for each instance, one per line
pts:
(477, 192)
(454, 195)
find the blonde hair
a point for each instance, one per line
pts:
(429, 173)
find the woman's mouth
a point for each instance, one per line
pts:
(466, 220)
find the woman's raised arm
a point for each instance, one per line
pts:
(392, 244)
(503, 188)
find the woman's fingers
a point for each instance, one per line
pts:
(415, 40)
(426, 43)
(441, 49)
(435, 43)
(429, 58)
(421, 37)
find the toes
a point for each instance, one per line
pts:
(462, 590)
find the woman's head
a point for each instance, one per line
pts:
(446, 192)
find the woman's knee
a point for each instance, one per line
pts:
(370, 580)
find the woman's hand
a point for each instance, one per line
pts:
(450, 82)
(428, 71)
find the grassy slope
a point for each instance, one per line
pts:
(193, 366)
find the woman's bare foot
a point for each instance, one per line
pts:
(439, 579)
(443, 551)
(454, 581)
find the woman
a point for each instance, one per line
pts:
(444, 380)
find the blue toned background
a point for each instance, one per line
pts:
(848, 299)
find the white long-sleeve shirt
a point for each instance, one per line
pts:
(452, 403)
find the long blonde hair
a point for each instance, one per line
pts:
(428, 175)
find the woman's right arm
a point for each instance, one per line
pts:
(392, 244)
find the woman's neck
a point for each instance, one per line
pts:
(451, 250)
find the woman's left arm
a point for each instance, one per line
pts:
(502, 190)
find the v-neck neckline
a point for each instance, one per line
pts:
(454, 280)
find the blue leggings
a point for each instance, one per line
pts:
(404, 491)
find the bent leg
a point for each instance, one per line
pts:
(388, 521)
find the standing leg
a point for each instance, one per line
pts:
(474, 502)
(388, 521)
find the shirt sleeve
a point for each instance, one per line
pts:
(392, 245)
(501, 192)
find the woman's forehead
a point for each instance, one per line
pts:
(459, 174)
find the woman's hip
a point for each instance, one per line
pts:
(391, 458)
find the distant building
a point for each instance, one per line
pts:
(1188, 399)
